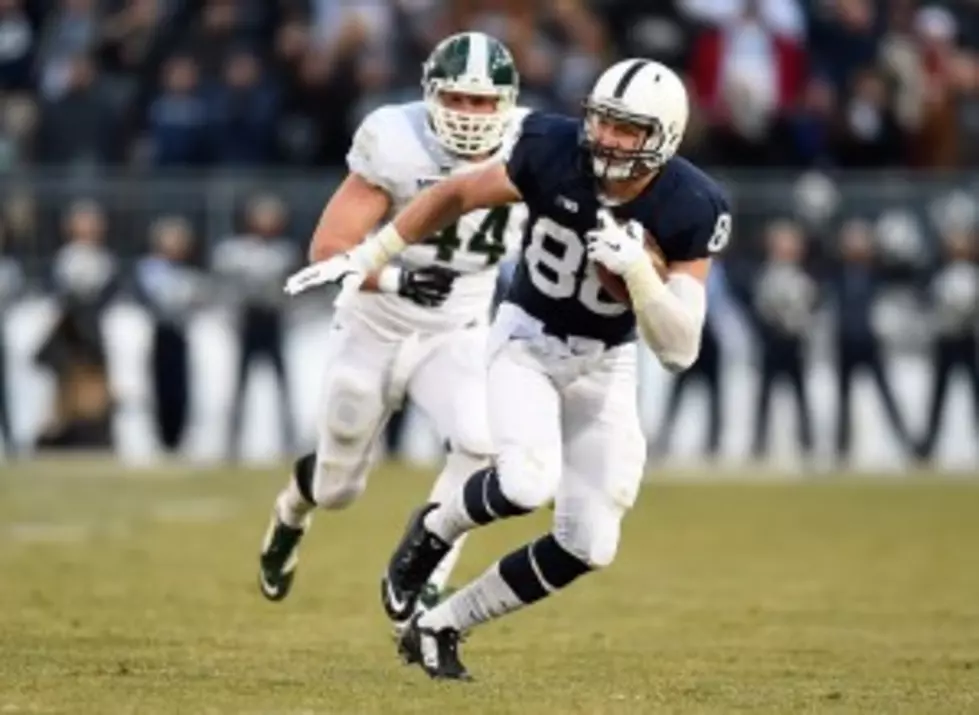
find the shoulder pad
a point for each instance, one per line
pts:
(540, 124)
(366, 156)
(541, 139)
(693, 215)
(706, 218)
(518, 114)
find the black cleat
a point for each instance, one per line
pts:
(430, 597)
(414, 560)
(437, 652)
(280, 553)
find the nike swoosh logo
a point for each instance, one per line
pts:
(396, 603)
(268, 587)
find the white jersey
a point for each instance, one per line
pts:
(396, 150)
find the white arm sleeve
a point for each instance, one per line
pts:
(670, 315)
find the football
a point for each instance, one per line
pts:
(615, 285)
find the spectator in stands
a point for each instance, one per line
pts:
(216, 35)
(299, 131)
(84, 272)
(869, 135)
(255, 266)
(362, 30)
(171, 290)
(80, 128)
(126, 35)
(17, 47)
(582, 49)
(85, 278)
(18, 121)
(934, 138)
(784, 302)
(661, 31)
(855, 288)
(244, 113)
(807, 135)
(708, 370)
(325, 128)
(19, 220)
(968, 108)
(745, 75)
(70, 31)
(783, 17)
(954, 304)
(11, 284)
(178, 117)
(844, 37)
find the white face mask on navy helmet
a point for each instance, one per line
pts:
(470, 63)
(646, 97)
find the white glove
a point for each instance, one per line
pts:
(615, 246)
(341, 269)
(351, 268)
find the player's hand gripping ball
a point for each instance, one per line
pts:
(614, 246)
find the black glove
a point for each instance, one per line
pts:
(428, 287)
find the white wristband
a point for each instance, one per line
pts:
(389, 279)
(375, 251)
(643, 282)
(390, 240)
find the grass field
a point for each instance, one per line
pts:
(134, 592)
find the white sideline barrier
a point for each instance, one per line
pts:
(214, 362)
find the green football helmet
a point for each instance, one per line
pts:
(475, 64)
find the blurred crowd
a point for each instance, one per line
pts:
(807, 86)
(863, 83)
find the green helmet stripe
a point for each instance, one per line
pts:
(471, 56)
(477, 64)
(500, 65)
(449, 60)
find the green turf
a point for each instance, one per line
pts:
(135, 593)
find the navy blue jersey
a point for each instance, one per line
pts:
(682, 208)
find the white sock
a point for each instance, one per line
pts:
(450, 520)
(440, 576)
(484, 599)
(292, 508)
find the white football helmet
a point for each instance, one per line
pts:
(476, 64)
(643, 93)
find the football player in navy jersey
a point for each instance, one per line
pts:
(562, 352)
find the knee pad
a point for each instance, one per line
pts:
(351, 420)
(338, 483)
(353, 407)
(529, 477)
(471, 436)
(588, 527)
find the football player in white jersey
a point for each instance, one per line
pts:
(417, 327)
